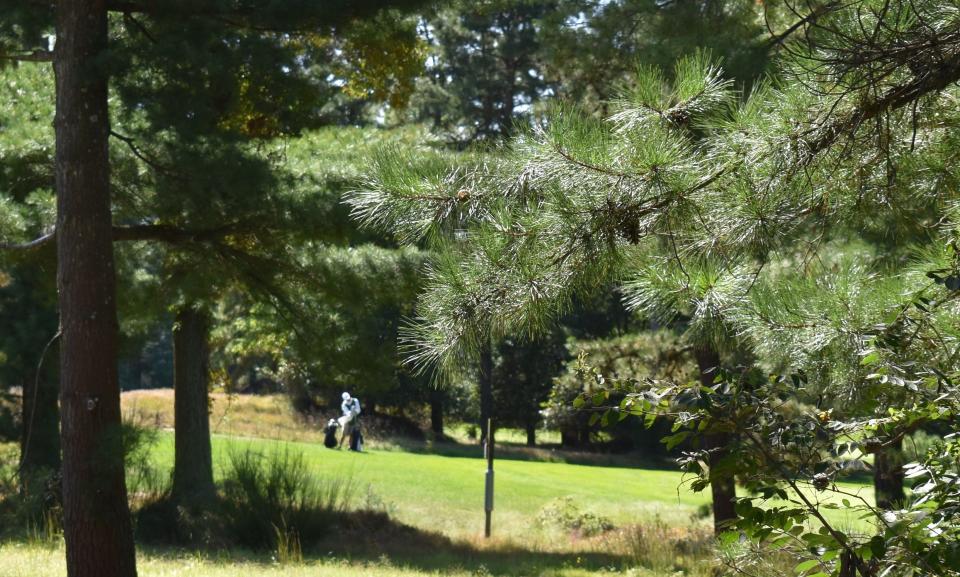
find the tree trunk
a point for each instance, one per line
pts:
(97, 529)
(531, 433)
(723, 487)
(568, 437)
(583, 436)
(40, 436)
(436, 412)
(888, 476)
(193, 464)
(486, 388)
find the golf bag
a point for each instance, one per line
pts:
(356, 438)
(330, 434)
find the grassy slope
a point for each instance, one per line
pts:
(446, 493)
(433, 488)
(433, 493)
(438, 487)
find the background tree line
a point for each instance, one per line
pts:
(225, 138)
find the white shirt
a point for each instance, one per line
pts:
(350, 407)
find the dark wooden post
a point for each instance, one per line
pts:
(488, 495)
(486, 387)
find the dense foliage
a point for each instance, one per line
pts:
(805, 228)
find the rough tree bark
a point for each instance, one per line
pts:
(888, 476)
(722, 488)
(97, 529)
(486, 388)
(193, 463)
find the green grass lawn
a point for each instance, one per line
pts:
(441, 497)
(31, 560)
(445, 493)
(434, 495)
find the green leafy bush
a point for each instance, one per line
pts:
(564, 513)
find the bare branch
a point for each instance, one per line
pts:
(778, 39)
(156, 232)
(34, 56)
(152, 163)
(33, 244)
(175, 235)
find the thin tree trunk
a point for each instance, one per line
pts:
(888, 476)
(193, 464)
(97, 528)
(436, 412)
(723, 487)
(40, 435)
(486, 389)
(531, 433)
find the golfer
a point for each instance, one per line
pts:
(349, 422)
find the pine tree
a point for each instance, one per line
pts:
(155, 40)
(484, 72)
(736, 211)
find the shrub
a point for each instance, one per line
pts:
(9, 416)
(666, 549)
(656, 548)
(35, 513)
(264, 491)
(144, 480)
(564, 513)
(288, 548)
(9, 454)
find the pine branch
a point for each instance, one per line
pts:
(175, 235)
(141, 232)
(154, 164)
(34, 56)
(33, 244)
(817, 12)
(303, 15)
(933, 78)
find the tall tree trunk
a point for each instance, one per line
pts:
(888, 476)
(531, 433)
(40, 436)
(486, 388)
(436, 412)
(193, 464)
(97, 529)
(722, 487)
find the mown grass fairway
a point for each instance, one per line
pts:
(445, 493)
(433, 494)
(441, 498)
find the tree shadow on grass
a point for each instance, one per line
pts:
(367, 536)
(539, 453)
(373, 538)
